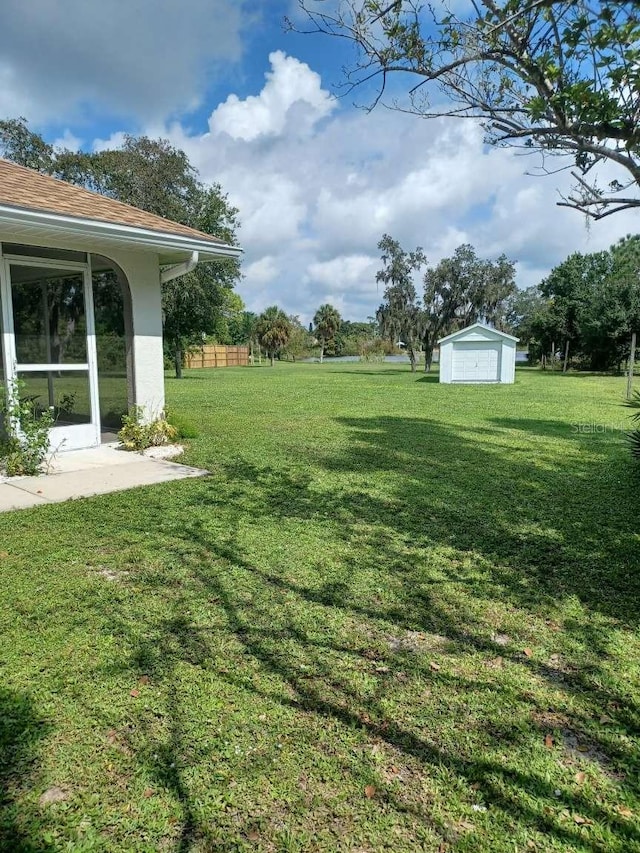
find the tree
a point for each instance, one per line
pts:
(569, 287)
(353, 338)
(273, 330)
(400, 317)
(552, 76)
(589, 305)
(326, 322)
(153, 175)
(20, 145)
(461, 290)
(242, 328)
(300, 341)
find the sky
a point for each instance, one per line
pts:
(317, 179)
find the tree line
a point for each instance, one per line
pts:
(457, 291)
(585, 312)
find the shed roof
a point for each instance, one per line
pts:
(461, 333)
(24, 189)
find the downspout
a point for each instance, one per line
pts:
(179, 269)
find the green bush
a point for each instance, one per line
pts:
(137, 435)
(24, 442)
(634, 435)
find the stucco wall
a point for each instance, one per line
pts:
(143, 274)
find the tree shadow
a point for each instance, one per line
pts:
(439, 539)
(470, 522)
(392, 371)
(20, 732)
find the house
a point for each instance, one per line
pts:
(478, 353)
(81, 311)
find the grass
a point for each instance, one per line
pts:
(397, 616)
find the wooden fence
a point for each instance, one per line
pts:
(212, 355)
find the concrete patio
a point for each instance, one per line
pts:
(83, 473)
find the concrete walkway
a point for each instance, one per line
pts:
(82, 473)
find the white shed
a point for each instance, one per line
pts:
(478, 353)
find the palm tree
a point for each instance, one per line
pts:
(326, 322)
(634, 435)
(273, 330)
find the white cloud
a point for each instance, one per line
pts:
(145, 60)
(292, 99)
(261, 272)
(69, 141)
(316, 194)
(341, 272)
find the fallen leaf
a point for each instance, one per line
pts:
(253, 835)
(370, 792)
(135, 693)
(582, 820)
(497, 662)
(528, 652)
(466, 825)
(624, 811)
(52, 795)
(149, 792)
(604, 719)
(112, 735)
(580, 777)
(3, 554)
(382, 669)
(144, 679)
(434, 666)
(548, 741)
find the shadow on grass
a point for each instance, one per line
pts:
(468, 524)
(20, 732)
(391, 371)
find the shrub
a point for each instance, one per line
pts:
(634, 435)
(25, 425)
(137, 435)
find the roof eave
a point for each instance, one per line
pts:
(477, 326)
(142, 237)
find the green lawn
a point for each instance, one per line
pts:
(397, 616)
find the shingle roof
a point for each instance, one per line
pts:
(24, 188)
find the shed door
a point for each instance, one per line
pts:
(476, 361)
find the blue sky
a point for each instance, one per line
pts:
(317, 181)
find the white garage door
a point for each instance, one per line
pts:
(476, 361)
